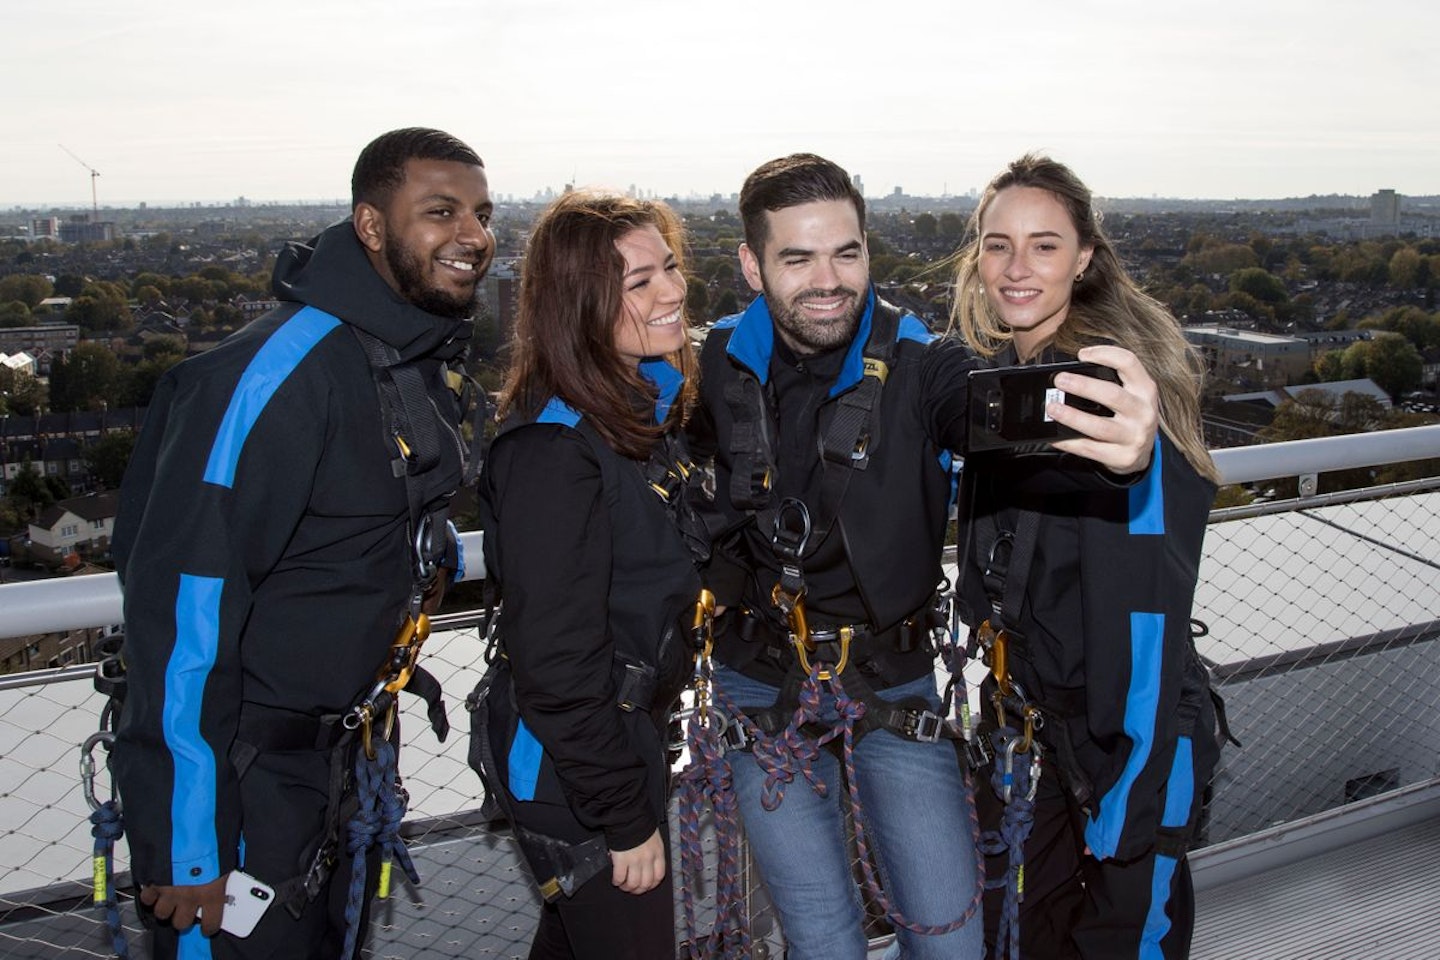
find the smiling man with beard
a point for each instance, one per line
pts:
(264, 544)
(829, 415)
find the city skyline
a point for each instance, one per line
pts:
(272, 102)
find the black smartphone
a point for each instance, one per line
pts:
(1007, 405)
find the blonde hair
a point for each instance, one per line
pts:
(1106, 306)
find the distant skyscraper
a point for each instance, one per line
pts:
(859, 184)
(1385, 208)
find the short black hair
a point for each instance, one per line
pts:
(789, 182)
(381, 165)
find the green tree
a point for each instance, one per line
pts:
(30, 491)
(28, 288)
(148, 279)
(89, 376)
(14, 314)
(727, 303)
(952, 225)
(1394, 364)
(20, 393)
(165, 345)
(148, 296)
(697, 298)
(1260, 284)
(926, 226)
(69, 285)
(1330, 366)
(1222, 258)
(1405, 267)
(108, 457)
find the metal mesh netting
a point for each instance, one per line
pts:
(1320, 622)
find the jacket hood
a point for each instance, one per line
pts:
(332, 273)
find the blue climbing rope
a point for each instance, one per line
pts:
(376, 822)
(793, 752)
(1014, 779)
(106, 826)
(708, 779)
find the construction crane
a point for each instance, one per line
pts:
(94, 200)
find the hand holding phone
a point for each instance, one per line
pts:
(1008, 405)
(246, 900)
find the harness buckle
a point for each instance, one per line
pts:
(924, 725)
(733, 735)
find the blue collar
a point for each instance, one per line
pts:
(753, 343)
(667, 380)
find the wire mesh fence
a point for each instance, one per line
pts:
(1321, 621)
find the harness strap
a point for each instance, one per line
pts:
(851, 436)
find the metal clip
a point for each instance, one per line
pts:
(87, 764)
(804, 646)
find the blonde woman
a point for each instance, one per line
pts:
(1099, 584)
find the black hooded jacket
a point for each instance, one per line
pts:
(262, 541)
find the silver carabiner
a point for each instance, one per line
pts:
(87, 765)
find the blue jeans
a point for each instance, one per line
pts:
(918, 823)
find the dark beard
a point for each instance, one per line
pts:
(806, 335)
(409, 274)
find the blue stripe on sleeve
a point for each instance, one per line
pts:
(193, 945)
(1147, 499)
(1157, 923)
(272, 363)
(1142, 701)
(1180, 788)
(524, 763)
(193, 840)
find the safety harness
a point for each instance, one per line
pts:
(785, 739)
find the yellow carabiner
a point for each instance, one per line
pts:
(846, 634)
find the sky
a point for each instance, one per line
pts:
(179, 102)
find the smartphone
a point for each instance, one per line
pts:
(1007, 405)
(246, 900)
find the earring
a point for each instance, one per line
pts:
(1080, 276)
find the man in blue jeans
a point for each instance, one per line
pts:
(829, 415)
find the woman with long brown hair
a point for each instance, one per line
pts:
(588, 534)
(1088, 596)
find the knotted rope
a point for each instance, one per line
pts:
(1014, 779)
(376, 822)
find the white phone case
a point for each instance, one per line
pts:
(246, 900)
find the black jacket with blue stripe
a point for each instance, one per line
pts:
(1105, 645)
(595, 574)
(262, 542)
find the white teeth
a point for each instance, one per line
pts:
(459, 265)
(669, 318)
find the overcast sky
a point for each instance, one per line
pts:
(272, 100)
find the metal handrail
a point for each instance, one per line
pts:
(48, 606)
(75, 603)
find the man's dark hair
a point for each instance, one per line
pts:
(381, 165)
(789, 182)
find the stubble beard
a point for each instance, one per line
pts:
(809, 335)
(409, 272)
